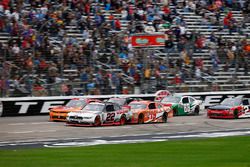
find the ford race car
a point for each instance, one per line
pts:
(182, 105)
(60, 113)
(148, 111)
(236, 107)
(99, 113)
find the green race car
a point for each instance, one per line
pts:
(182, 105)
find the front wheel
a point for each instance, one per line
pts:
(236, 114)
(97, 121)
(141, 119)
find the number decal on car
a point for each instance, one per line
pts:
(186, 108)
(110, 117)
(246, 109)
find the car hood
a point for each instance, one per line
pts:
(219, 107)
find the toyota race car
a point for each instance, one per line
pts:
(122, 101)
(182, 105)
(60, 113)
(99, 113)
(236, 107)
(149, 111)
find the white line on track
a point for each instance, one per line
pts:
(30, 123)
(22, 132)
(181, 124)
(120, 127)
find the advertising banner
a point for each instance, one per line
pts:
(39, 106)
(152, 40)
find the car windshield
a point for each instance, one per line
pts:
(231, 102)
(137, 106)
(117, 101)
(76, 103)
(94, 107)
(171, 99)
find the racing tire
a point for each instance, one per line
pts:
(97, 121)
(196, 111)
(123, 120)
(141, 119)
(165, 117)
(236, 114)
(175, 113)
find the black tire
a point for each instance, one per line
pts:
(141, 119)
(123, 120)
(97, 121)
(165, 117)
(175, 113)
(196, 111)
(236, 112)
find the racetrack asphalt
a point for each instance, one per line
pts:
(37, 131)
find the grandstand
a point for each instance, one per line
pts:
(82, 47)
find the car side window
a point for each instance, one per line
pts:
(129, 100)
(159, 106)
(245, 102)
(117, 107)
(185, 100)
(152, 106)
(110, 108)
(191, 99)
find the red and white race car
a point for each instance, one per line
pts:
(99, 113)
(236, 107)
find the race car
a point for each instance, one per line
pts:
(122, 101)
(233, 107)
(99, 113)
(60, 113)
(145, 111)
(182, 105)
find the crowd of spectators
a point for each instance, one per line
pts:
(40, 47)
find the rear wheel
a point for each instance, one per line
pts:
(123, 120)
(165, 117)
(97, 121)
(196, 111)
(141, 119)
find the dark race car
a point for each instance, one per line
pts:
(236, 107)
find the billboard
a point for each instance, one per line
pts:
(148, 40)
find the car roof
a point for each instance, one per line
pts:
(103, 103)
(143, 102)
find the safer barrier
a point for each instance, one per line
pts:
(21, 106)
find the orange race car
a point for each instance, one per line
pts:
(60, 113)
(149, 111)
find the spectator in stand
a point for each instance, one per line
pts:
(149, 28)
(177, 81)
(200, 43)
(36, 26)
(214, 58)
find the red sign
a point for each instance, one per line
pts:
(148, 40)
